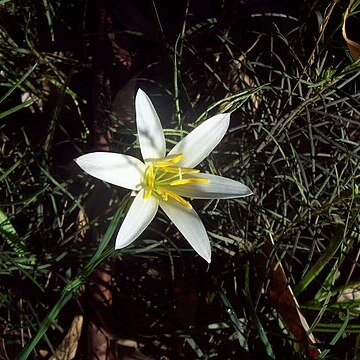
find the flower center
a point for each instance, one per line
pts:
(161, 178)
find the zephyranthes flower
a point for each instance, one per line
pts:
(164, 180)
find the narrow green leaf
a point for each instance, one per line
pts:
(253, 315)
(10, 234)
(238, 326)
(16, 108)
(70, 289)
(337, 336)
(323, 260)
(19, 82)
(10, 170)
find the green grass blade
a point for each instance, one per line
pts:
(74, 285)
(253, 315)
(337, 336)
(10, 234)
(238, 326)
(18, 83)
(16, 108)
(322, 261)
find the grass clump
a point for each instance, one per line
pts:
(292, 88)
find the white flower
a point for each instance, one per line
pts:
(163, 180)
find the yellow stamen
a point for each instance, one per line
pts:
(189, 181)
(150, 177)
(169, 160)
(161, 174)
(176, 170)
(162, 193)
(149, 182)
(177, 198)
(147, 193)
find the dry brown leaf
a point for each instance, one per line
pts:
(237, 79)
(284, 301)
(353, 46)
(68, 347)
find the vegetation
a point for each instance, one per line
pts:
(284, 278)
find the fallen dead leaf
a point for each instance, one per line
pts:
(68, 347)
(284, 302)
(353, 46)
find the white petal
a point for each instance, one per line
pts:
(197, 145)
(218, 188)
(150, 132)
(139, 216)
(118, 169)
(190, 225)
